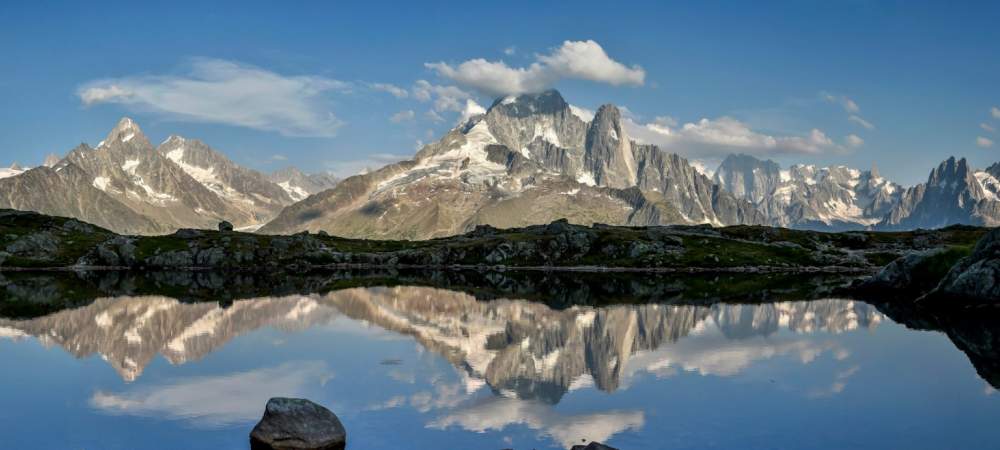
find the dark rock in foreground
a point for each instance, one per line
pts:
(297, 424)
(225, 226)
(593, 446)
(976, 279)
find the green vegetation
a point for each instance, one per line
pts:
(929, 272)
(30, 241)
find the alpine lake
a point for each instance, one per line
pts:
(489, 360)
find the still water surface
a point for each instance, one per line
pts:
(425, 367)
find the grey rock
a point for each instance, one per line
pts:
(898, 274)
(952, 195)
(40, 244)
(297, 424)
(975, 279)
(609, 154)
(188, 233)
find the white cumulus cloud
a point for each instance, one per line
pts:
(584, 60)
(444, 98)
(471, 109)
(227, 92)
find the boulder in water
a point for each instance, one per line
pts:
(297, 424)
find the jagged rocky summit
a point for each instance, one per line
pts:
(529, 159)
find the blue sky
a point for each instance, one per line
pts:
(305, 83)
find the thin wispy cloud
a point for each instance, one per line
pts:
(984, 142)
(347, 168)
(396, 91)
(860, 121)
(227, 92)
(850, 107)
(987, 127)
(712, 138)
(582, 60)
(403, 116)
(995, 112)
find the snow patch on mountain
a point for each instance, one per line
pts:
(989, 183)
(102, 183)
(12, 171)
(295, 192)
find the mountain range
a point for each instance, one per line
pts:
(529, 159)
(127, 185)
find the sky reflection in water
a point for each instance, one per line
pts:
(418, 367)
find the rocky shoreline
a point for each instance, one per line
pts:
(34, 241)
(960, 264)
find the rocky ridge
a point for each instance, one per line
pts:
(127, 185)
(529, 159)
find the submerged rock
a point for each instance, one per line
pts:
(297, 424)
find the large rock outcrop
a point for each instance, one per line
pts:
(975, 279)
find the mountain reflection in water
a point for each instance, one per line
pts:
(516, 360)
(516, 347)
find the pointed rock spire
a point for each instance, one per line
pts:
(128, 132)
(609, 150)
